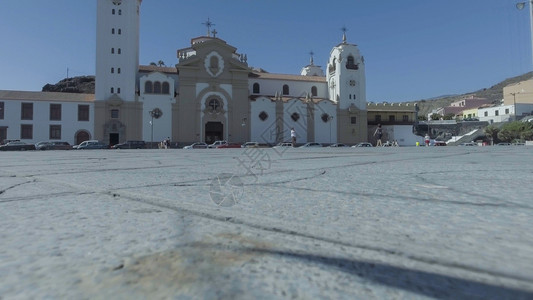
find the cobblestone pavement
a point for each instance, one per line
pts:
(379, 223)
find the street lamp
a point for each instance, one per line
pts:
(152, 129)
(154, 113)
(520, 6)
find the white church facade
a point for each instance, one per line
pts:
(212, 94)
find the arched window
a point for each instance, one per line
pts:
(119, 31)
(285, 89)
(112, 30)
(119, 51)
(157, 87)
(314, 91)
(256, 88)
(148, 87)
(112, 70)
(166, 88)
(120, 12)
(113, 11)
(112, 50)
(350, 63)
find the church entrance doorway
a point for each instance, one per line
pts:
(214, 131)
(113, 139)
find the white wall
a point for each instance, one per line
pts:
(41, 120)
(162, 127)
(325, 132)
(300, 126)
(403, 134)
(263, 131)
(296, 88)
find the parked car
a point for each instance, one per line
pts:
(198, 145)
(216, 144)
(468, 144)
(283, 145)
(229, 145)
(92, 144)
(504, 144)
(13, 146)
(338, 145)
(363, 144)
(8, 141)
(311, 144)
(130, 145)
(250, 145)
(53, 146)
(439, 143)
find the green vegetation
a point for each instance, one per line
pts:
(511, 132)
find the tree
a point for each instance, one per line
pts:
(422, 118)
(160, 63)
(435, 116)
(516, 130)
(153, 64)
(491, 132)
(448, 116)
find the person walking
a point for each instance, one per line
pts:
(378, 134)
(426, 140)
(293, 137)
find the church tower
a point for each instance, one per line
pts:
(347, 87)
(117, 61)
(117, 48)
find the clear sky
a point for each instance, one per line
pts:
(413, 49)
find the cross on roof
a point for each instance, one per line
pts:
(214, 32)
(208, 24)
(344, 29)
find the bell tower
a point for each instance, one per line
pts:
(347, 88)
(117, 111)
(117, 49)
(346, 76)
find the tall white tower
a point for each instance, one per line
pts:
(346, 76)
(117, 49)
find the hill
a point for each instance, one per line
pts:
(80, 84)
(494, 94)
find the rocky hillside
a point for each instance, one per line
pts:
(80, 84)
(494, 94)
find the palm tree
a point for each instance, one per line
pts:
(491, 132)
(153, 64)
(161, 63)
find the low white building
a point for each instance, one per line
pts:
(505, 113)
(38, 116)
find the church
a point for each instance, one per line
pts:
(213, 94)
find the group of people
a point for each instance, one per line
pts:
(165, 144)
(379, 134)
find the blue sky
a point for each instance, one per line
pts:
(413, 49)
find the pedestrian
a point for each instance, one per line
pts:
(293, 137)
(426, 140)
(378, 134)
(167, 143)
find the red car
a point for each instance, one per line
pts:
(230, 145)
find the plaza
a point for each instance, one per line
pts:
(346, 223)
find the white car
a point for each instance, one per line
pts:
(217, 143)
(250, 145)
(312, 144)
(283, 145)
